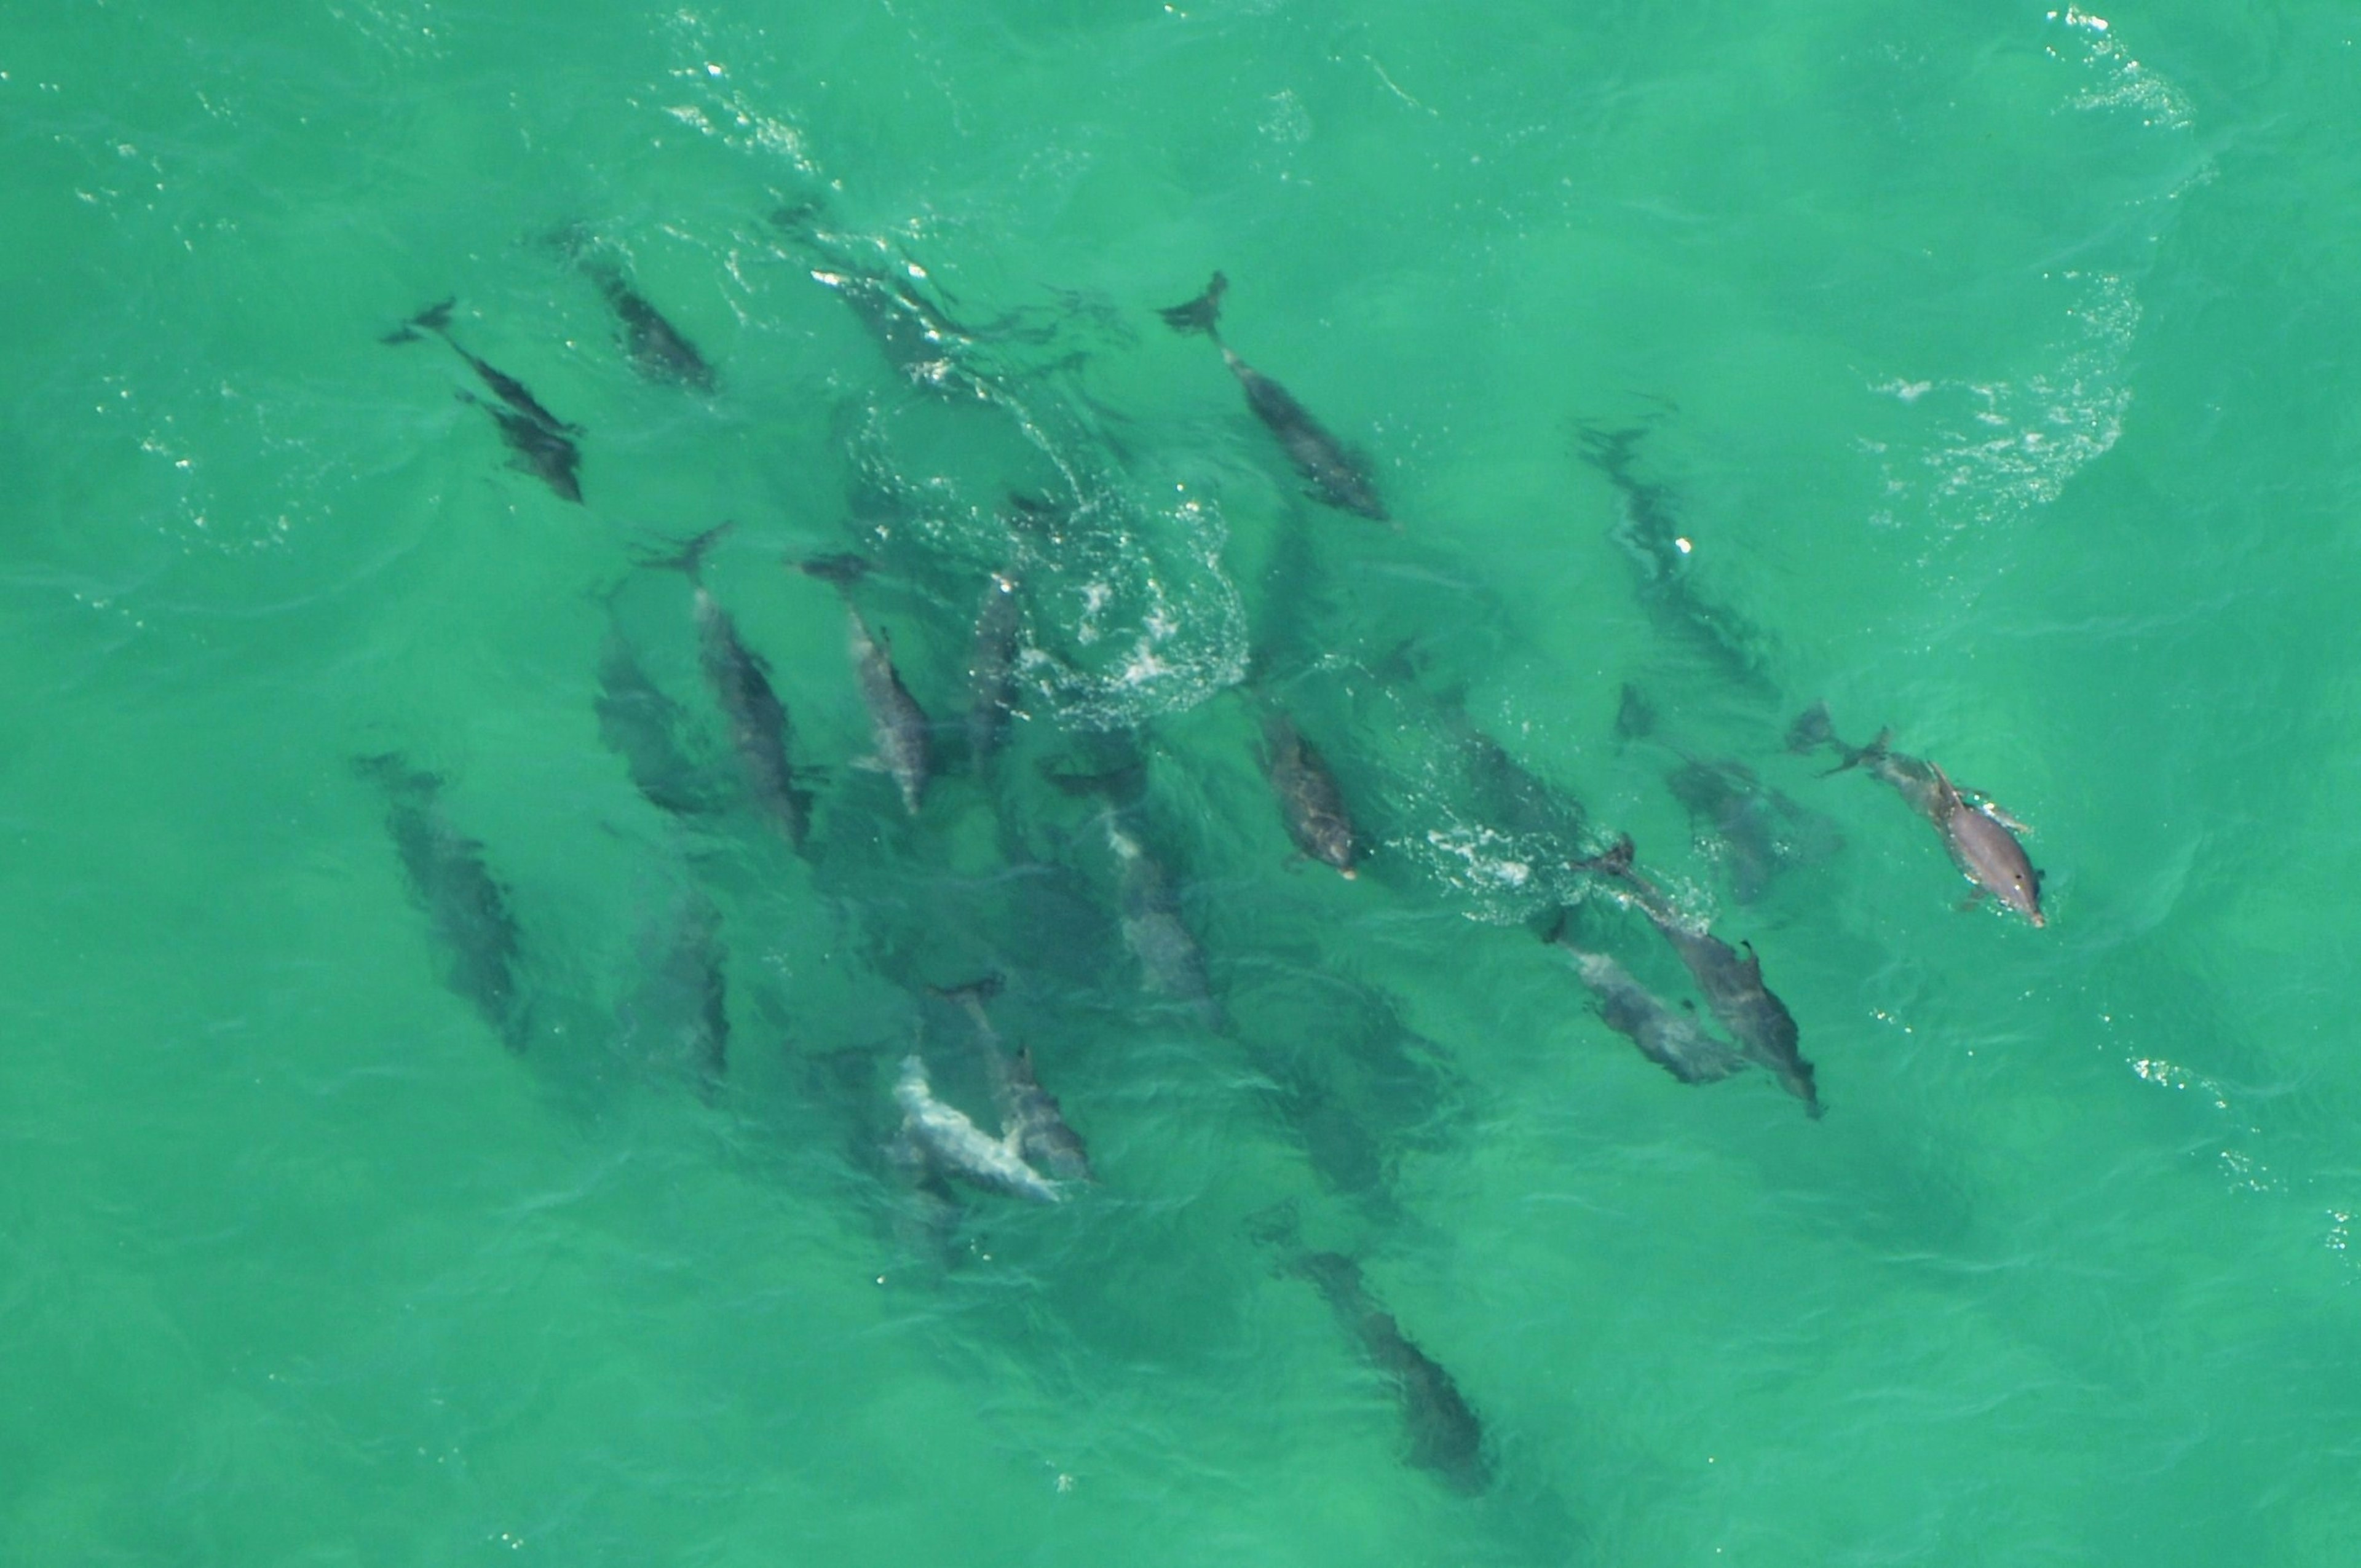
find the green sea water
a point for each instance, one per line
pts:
(1992, 368)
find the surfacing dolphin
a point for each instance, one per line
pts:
(905, 738)
(1336, 475)
(1028, 1113)
(1975, 831)
(958, 1147)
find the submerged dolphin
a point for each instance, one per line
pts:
(657, 349)
(644, 727)
(1665, 1035)
(1753, 829)
(1732, 986)
(1662, 557)
(1169, 959)
(992, 669)
(1977, 833)
(1444, 1435)
(741, 683)
(680, 1014)
(904, 738)
(1336, 475)
(1171, 963)
(534, 448)
(465, 903)
(955, 1145)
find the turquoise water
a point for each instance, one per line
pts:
(1994, 364)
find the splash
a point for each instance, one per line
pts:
(713, 104)
(2002, 446)
(1133, 616)
(2118, 81)
(1999, 447)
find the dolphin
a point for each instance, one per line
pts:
(1665, 1035)
(1171, 963)
(1169, 959)
(955, 1145)
(657, 349)
(535, 448)
(465, 904)
(643, 726)
(436, 318)
(741, 683)
(1337, 477)
(1663, 556)
(1976, 832)
(685, 998)
(1446, 1437)
(1732, 986)
(542, 445)
(1308, 797)
(904, 738)
(916, 336)
(1028, 1113)
(992, 669)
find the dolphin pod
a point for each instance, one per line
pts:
(1146, 887)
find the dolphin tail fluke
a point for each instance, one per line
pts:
(386, 768)
(977, 991)
(570, 240)
(1278, 1227)
(1120, 786)
(690, 556)
(1615, 863)
(1202, 313)
(1812, 731)
(1871, 753)
(1635, 716)
(433, 318)
(843, 570)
